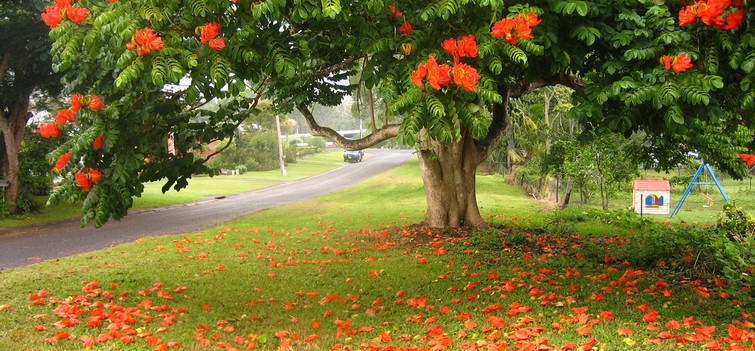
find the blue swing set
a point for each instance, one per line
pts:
(695, 181)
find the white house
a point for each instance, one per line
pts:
(652, 196)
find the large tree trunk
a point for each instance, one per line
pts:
(448, 172)
(12, 125)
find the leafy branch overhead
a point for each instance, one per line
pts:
(445, 71)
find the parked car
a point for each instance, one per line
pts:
(353, 155)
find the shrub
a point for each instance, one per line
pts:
(735, 247)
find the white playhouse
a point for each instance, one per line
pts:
(652, 196)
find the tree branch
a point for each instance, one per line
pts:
(384, 133)
(337, 67)
(500, 124)
(4, 64)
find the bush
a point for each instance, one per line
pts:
(4, 211)
(735, 247)
(318, 143)
(241, 169)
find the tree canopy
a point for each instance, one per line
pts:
(446, 68)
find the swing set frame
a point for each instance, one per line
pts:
(695, 181)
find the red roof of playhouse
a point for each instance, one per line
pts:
(656, 185)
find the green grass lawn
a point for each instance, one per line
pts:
(200, 188)
(346, 271)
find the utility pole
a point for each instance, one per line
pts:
(280, 145)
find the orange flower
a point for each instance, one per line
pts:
(467, 46)
(625, 332)
(63, 116)
(681, 63)
(75, 103)
(96, 103)
(437, 75)
(82, 180)
(217, 44)
(466, 76)
(144, 41)
(405, 28)
(94, 175)
(419, 75)
(584, 330)
(97, 143)
(733, 20)
(513, 29)
(687, 16)
(396, 13)
(62, 160)
(51, 16)
(77, 14)
(666, 61)
(531, 19)
(49, 130)
(462, 47)
(503, 29)
(208, 31)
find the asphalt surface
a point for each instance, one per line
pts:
(29, 245)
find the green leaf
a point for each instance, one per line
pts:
(515, 54)
(331, 8)
(668, 93)
(130, 73)
(435, 106)
(586, 34)
(674, 114)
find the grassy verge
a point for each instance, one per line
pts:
(344, 272)
(200, 188)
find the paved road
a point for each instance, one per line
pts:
(20, 247)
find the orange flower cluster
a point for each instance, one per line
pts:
(52, 129)
(85, 180)
(144, 41)
(462, 47)
(208, 34)
(63, 9)
(722, 14)
(513, 29)
(678, 63)
(439, 76)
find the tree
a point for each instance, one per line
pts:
(25, 67)
(447, 68)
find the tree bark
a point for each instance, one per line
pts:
(448, 173)
(567, 194)
(12, 125)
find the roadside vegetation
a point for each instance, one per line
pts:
(347, 272)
